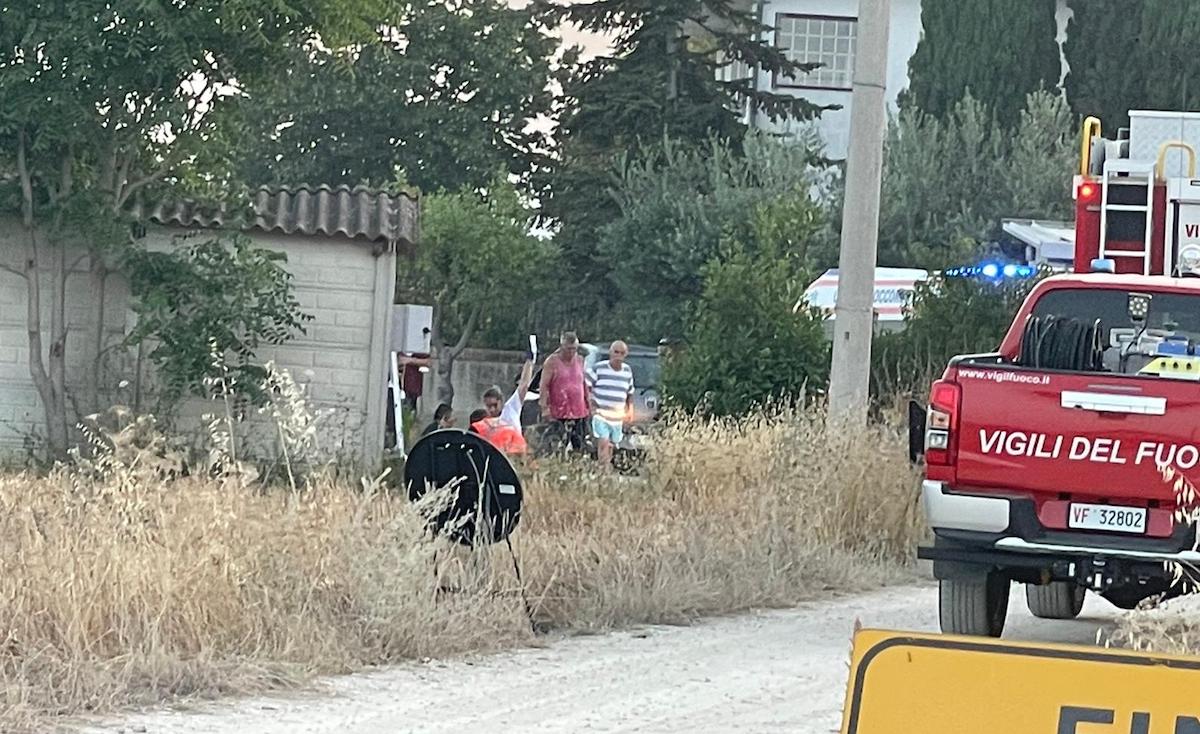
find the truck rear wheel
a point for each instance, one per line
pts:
(974, 606)
(1055, 600)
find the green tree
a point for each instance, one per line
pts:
(106, 99)
(478, 264)
(660, 80)
(442, 99)
(1125, 56)
(210, 298)
(947, 183)
(745, 346)
(997, 51)
(1105, 78)
(947, 317)
(679, 202)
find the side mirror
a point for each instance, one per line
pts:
(916, 432)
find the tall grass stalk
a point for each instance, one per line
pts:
(124, 584)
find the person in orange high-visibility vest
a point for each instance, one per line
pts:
(501, 422)
(501, 435)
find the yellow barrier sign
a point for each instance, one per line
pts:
(909, 683)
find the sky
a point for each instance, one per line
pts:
(592, 43)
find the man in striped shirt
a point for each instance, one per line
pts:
(611, 389)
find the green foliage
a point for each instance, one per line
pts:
(441, 100)
(948, 316)
(997, 51)
(948, 183)
(1102, 81)
(660, 81)
(677, 204)
(106, 100)
(745, 347)
(211, 299)
(112, 95)
(1132, 55)
(478, 264)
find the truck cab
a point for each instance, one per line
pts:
(1067, 459)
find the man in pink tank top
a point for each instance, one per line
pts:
(564, 399)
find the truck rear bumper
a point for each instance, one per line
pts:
(1007, 527)
(1021, 546)
(1014, 552)
(962, 511)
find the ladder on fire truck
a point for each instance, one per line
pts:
(1138, 178)
(1128, 187)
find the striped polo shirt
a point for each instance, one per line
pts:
(610, 390)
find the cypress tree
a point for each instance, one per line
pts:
(1167, 61)
(997, 50)
(1132, 55)
(1105, 78)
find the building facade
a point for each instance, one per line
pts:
(825, 32)
(341, 247)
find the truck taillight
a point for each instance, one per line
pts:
(941, 422)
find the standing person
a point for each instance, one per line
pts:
(611, 383)
(501, 423)
(563, 393)
(509, 411)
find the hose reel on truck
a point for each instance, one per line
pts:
(1058, 343)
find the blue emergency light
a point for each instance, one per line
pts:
(992, 271)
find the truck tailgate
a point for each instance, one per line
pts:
(1089, 435)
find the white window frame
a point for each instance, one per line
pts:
(835, 47)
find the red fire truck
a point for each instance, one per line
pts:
(1064, 459)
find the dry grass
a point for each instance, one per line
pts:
(129, 589)
(1173, 628)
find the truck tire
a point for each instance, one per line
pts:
(1055, 600)
(974, 606)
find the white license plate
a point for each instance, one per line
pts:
(1107, 517)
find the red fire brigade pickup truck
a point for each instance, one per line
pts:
(1045, 460)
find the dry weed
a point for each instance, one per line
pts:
(117, 592)
(1173, 628)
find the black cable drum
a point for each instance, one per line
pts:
(1061, 343)
(488, 488)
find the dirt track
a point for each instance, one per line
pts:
(779, 671)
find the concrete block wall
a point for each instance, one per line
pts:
(341, 359)
(474, 372)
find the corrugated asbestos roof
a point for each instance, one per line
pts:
(347, 211)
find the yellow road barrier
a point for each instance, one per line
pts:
(910, 683)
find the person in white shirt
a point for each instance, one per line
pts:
(509, 411)
(610, 384)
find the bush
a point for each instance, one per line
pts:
(947, 183)
(745, 346)
(949, 316)
(679, 204)
(211, 300)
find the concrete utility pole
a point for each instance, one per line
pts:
(853, 314)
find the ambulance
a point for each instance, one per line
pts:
(1067, 459)
(892, 294)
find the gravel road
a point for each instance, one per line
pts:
(779, 671)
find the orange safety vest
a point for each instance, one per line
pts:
(501, 435)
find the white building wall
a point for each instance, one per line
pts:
(342, 358)
(834, 125)
(904, 34)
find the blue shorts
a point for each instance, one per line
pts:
(605, 431)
